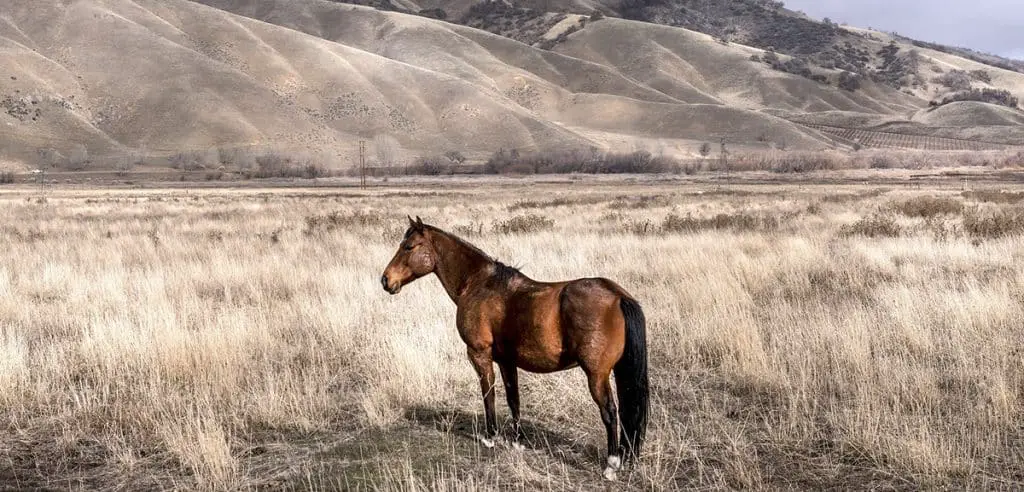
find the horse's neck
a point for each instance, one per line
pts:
(457, 263)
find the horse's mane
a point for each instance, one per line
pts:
(502, 273)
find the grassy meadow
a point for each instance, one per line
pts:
(801, 336)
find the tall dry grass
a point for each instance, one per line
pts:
(229, 339)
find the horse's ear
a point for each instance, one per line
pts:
(416, 224)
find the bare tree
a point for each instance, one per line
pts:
(455, 156)
(126, 162)
(705, 149)
(49, 157)
(388, 149)
(78, 159)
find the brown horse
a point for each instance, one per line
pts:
(542, 327)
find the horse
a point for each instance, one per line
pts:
(505, 317)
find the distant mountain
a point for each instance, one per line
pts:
(92, 83)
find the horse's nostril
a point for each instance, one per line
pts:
(384, 281)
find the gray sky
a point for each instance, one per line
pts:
(993, 26)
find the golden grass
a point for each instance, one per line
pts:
(229, 339)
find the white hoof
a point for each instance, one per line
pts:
(614, 463)
(488, 443)
(516, 445)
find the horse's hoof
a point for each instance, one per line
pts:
(614, 463)
(488, 443)
(518, 446)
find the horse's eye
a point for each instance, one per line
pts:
(407, 247)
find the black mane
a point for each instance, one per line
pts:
(504, 273)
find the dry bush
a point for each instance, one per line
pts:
(853, 197)
(593, 161)
(739, 222)
(874, 225)
(473, 229)
(430, 166)
(638, 202)
(523, 224)
(327, 223)
(994, 196)
(927, 206)
(280, 164)
(579, 161)
(531, 204)
(881, 161)
(193, 160)
(994, 223)
(788, 162)
(641, 227)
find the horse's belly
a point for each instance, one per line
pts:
(542, 356)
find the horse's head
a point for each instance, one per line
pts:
(415, 258)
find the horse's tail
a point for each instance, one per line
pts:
(631, 379)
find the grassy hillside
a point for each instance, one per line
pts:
(221, 83)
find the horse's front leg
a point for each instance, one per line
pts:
(483, 362)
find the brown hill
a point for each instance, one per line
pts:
(88, 83)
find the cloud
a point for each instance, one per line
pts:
(985, 25)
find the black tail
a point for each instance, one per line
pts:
(631, 380)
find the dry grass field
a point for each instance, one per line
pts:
(800, 336)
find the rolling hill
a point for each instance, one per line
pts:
(90, 83)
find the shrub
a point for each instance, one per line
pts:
(928, 206)
(876, 225)
(430, 166)
(981, 76)
(992, 96)
(740, 221)
(521, 224)
(957, 80)
(557, 202)
(575, 161)
(6, 177)
(705, 149)
(455, 156)
(274, 164)
(881, 161)
(994, 225)
(321, 224)
(188, 161)
(849, 81)
(78, 158)
(803, 162)
(641, 227)
(435, 13)
(994, 196)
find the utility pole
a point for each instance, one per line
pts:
(362, 163)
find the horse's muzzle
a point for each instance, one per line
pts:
(391, 290)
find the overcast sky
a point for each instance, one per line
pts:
(993, 26)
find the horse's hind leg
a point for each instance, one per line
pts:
(484, 365)
(510, 376)
(601, 389)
